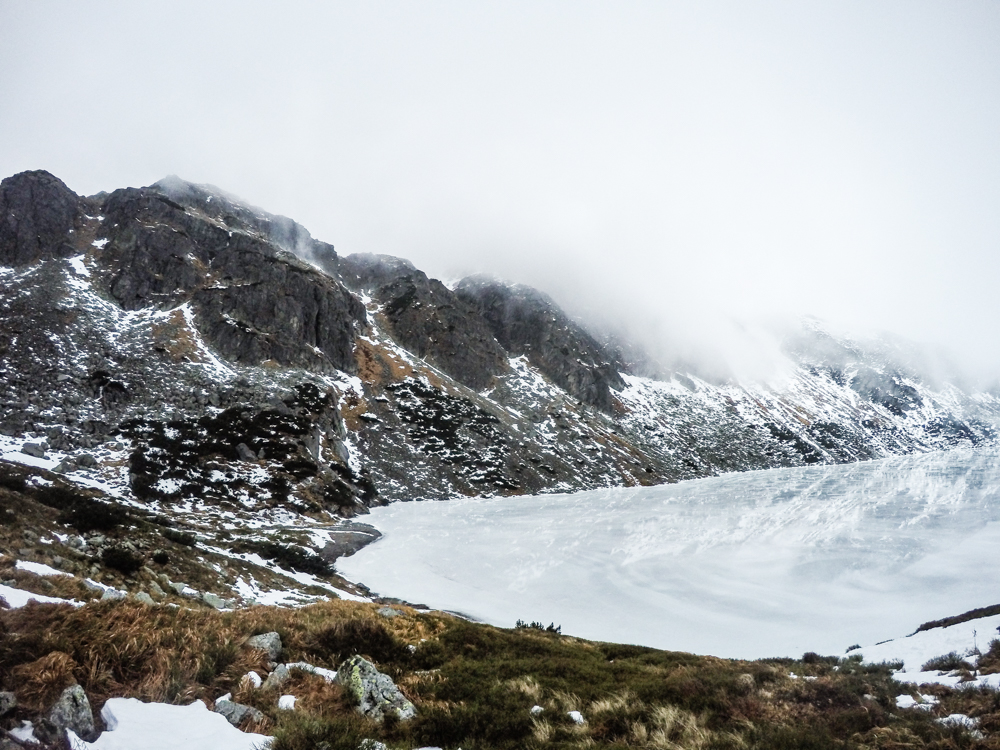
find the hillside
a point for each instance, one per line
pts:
(176, 346)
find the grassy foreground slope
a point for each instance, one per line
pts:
(473, 685)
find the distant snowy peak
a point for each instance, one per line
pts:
(235, 361)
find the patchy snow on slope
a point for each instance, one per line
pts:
(16, 598)
(39, 569)
(756, 564)
(965, 639)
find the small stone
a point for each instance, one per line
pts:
(111, 595)
(577, 717)
(277, 678)
(72, 711)
(269, 642)
(155, 590)
(57, 561)
(235, 713)
(536, 710)
(143, 597)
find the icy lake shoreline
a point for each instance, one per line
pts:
(766, 563)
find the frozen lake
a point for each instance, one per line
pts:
(768, 563)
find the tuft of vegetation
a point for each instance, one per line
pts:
(180, 537)
(359, 635)
(287, 556)
(552, 627)
(972, 614)
(946, 663)
(122, 559)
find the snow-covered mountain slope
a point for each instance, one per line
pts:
(745, 565)
(186, 350)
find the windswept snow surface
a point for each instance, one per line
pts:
(756, 564)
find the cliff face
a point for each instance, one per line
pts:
(177, 346)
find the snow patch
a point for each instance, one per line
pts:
(158, 726)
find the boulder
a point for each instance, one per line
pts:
(279, 676)
(8, 701)
(269, 642)
(235, 713)
(376, 693)
(36, 450)
(72, 711)
(214, 600)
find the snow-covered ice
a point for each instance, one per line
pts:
(757, 564)
(133, 724)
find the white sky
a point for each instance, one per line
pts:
(672, 165)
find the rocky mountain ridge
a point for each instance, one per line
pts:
(178, 348)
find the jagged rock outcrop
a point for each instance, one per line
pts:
(430, 320)
(254, 301)
(38, 217)
(527, 322)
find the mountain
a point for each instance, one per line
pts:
(175, 346)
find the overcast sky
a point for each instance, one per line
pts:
(676, 166)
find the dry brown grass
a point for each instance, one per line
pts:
(163, 653)
(40, 682)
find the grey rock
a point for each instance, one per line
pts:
(526, 321)
(376, 693)
(111, 595)
(8, 701)
(72, 711)
(389, 612)
(268, 642)
(235, 713)
(86, 460)
(433, 322)
(245, 453)
(178, 587)
(38, 211)
(37, 450)
(213, 600)
(348, 538)
(277, 678)
(155, 590)
(143, 597)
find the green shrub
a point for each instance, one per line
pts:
(122, 559)
(358, 635)
(946, 663)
